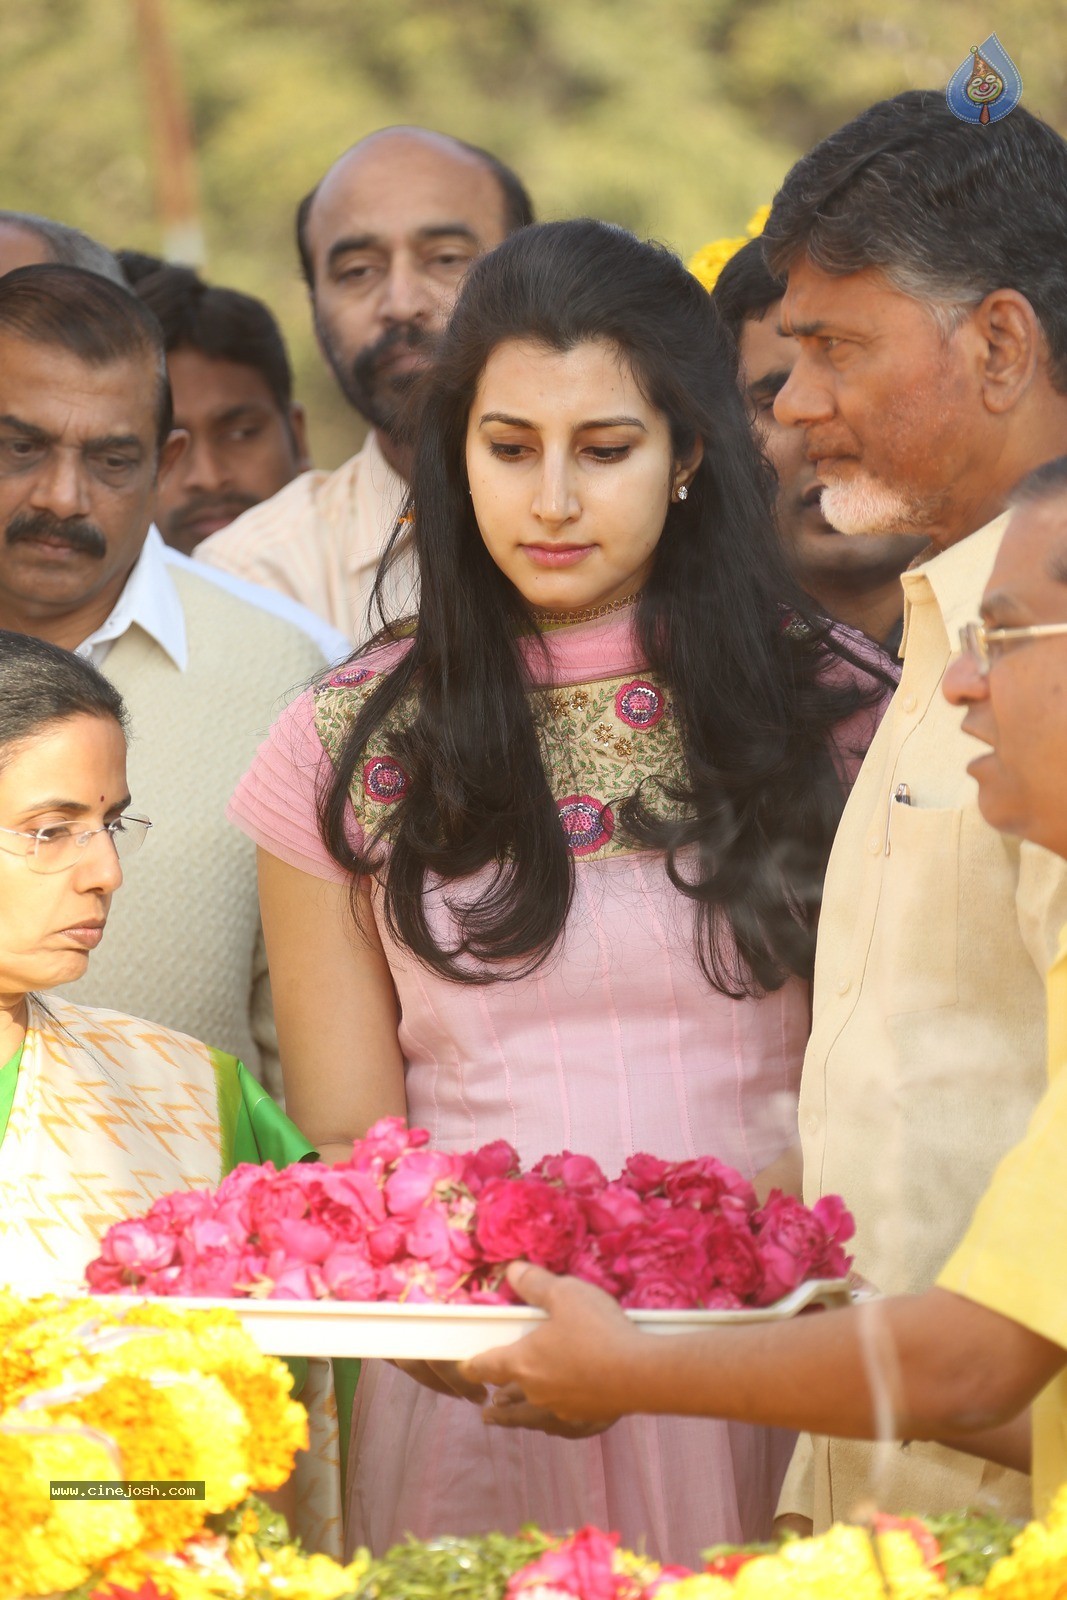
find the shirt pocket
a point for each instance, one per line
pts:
(917, 951)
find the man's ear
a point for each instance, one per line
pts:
(298, 429)
(1012, 347)
(173, 449)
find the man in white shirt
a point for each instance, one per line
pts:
(84, 437)
(385, 239)
(27, 240)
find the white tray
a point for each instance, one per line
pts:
(442, 1333)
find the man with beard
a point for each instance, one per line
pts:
(385, 239)
(856, 581)
(927, 297)
(85, 437)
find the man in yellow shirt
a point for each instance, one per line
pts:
(962, 1360)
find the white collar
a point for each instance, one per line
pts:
(149, 600)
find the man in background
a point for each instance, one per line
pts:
(856, 581)
(27, 241)
(232, 387)
(385, 239)
(85, 440)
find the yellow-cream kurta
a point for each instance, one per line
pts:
(1014, 1256)
(320, 539)
(927, 1052)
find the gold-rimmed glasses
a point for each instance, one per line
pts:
(981, 644)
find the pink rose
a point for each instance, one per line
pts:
(734, 1259)
(796, 1244)
(417, 1176)
(496, 1160)
(349, 1275)
(659, 1291)
(136, 1246)
(275, 1196)
(419, 1282)
(176, 1210)
(302, 1240)
(430, 1238)
(529, 1218)
(589, 1265)
(579, 1174)
(644, 1174)
(356, 1193)
(721, 1300)
(384, 1143)
(387, 1242)
(706, 1183)
(296, 1283)
(582, 1566)
(615, 1206)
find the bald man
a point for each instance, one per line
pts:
(385, 239)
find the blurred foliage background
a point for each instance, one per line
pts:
(676, 118)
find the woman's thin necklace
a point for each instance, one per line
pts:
(563, 619)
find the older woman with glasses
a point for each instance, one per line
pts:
(99, 1113)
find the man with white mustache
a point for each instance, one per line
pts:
(924, 259)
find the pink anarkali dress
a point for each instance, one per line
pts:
(618, 1044)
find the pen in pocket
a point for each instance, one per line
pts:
(901, 797)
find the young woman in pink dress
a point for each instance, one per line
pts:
(544, 863)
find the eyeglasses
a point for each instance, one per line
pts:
(983, 644)
(59, 846)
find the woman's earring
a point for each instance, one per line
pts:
(683, 491)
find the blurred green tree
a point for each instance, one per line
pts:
(674, 117)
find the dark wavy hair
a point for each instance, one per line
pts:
(720, 620)
(40, 685)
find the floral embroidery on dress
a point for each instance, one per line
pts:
(384, 780)
(587, 823)
(601, 742)
(639, 704)
(350, 677)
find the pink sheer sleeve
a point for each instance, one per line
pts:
(275, 802)
(853, 736)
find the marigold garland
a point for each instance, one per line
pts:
(710, 260)
(91, 1393)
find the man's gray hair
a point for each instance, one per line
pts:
(69, 246)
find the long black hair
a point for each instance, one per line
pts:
(719, 619)
(40, 685)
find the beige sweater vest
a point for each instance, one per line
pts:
(183, 944)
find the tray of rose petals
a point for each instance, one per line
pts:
(447, 1332)
(402, 1250)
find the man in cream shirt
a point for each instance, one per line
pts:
(385, 239)
(931, 375)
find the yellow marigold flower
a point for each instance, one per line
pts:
(840, 1565)
(291, 1575)
(710, 260)
(215, 1344)
(182, 1426)
(1036, 1569)
(54, 1545)
(703, 1586)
